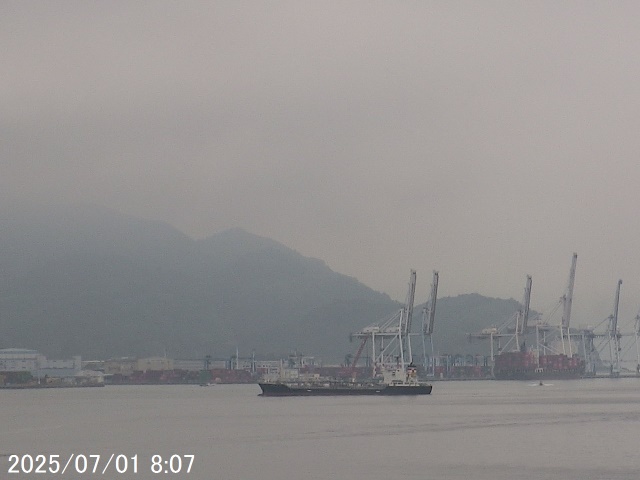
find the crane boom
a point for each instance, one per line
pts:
(613, 329)
(405, 319)
(429, 311)
(409, 303)
(357, 357)
(568, 296)
(526, 300)
(614, 337)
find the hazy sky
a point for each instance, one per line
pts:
(487, 140)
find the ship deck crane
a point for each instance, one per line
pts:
(363, 343)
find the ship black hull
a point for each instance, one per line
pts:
(283, 390)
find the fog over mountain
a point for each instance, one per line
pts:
(90, 281)
(489, 140)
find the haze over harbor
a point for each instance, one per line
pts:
(485, 140)
(93, 282)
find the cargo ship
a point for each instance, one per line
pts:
(397, 382)
(530, 366)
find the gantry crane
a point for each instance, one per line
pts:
(637, 335)
(594, 343)
(522, 317)
(511, 330)
(391, 337)
(567, 300)
(614, 337)
(428, 321)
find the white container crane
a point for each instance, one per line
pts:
(428, 321)
(567, 300)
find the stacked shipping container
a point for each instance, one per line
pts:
(528, 365)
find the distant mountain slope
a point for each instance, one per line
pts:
(469, 313)
(89, 281)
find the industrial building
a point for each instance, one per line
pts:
(21, 365)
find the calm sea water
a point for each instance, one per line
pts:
(586, 429)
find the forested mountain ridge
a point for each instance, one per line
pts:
(90, 281)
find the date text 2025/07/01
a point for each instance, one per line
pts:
(99, 464)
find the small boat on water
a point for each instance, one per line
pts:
(396, 382)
